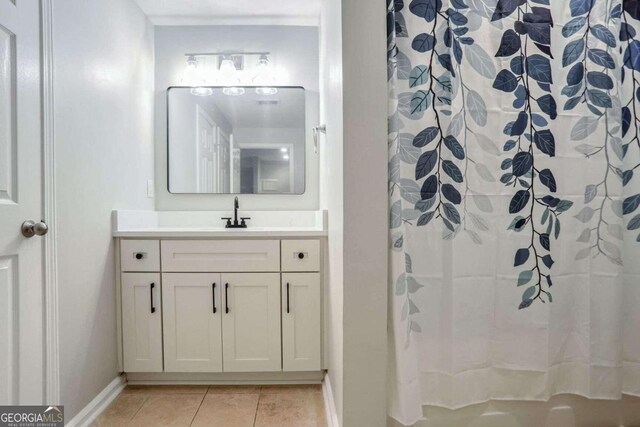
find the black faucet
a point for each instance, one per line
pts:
(235, 223)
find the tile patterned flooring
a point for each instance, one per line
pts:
(216, 406)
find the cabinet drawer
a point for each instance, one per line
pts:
(140, 255)
(220, 255)
(300, 255)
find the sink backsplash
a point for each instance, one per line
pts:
(141, 220)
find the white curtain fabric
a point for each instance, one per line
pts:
(514, 193)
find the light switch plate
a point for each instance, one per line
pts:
(151, 192)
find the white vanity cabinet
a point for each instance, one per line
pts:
(221, 305)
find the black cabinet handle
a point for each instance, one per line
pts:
(301, 255)
(213, 292)
(288, 311)
(226, 297)
(139, 255)
(153, 285)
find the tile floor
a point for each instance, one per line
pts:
(216, 406)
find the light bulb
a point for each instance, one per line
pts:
(193, 77)
(192, 63)
(201, 91)
(233, 91)
(285, 157)
(227, 66)
(264, 73)
(266, 90)
(284, 150)
(228, 75)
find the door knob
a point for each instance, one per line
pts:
(31, 228)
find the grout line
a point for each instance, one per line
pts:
(146, 397)
(199, 406)
(255, 417)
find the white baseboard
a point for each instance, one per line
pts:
(224, 378)
(99, 403)
(329, 403)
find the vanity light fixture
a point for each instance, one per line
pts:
(230, 69)
(193, 77)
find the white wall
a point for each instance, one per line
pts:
(103, 66)
(293, 48)
(355, 163)
(331, 182)
(364, 69)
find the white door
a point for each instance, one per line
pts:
(205, 149)
(251, 322)
(21, 283)
(224, 165)
(192, 322)
(141, 322)
(301, 321)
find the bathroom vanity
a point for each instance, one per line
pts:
(218, 296)
(208, 300)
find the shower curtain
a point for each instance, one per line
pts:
(514, 191)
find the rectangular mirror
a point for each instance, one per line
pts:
(236, 140)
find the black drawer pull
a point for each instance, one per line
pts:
(226, 298)
(153, 285)
(213, 292)
(139, 255)
(288, 311)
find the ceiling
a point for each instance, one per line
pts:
(230, 9)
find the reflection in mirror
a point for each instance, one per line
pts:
(246, 144)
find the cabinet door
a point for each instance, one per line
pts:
(301, 321)
(141, 322)
(191, 310)
(251, 322)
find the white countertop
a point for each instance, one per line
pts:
(154, 224)
(222, 232)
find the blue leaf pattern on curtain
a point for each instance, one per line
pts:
(529, 77)
(514, 135)
(438, 190)
(629, 148)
